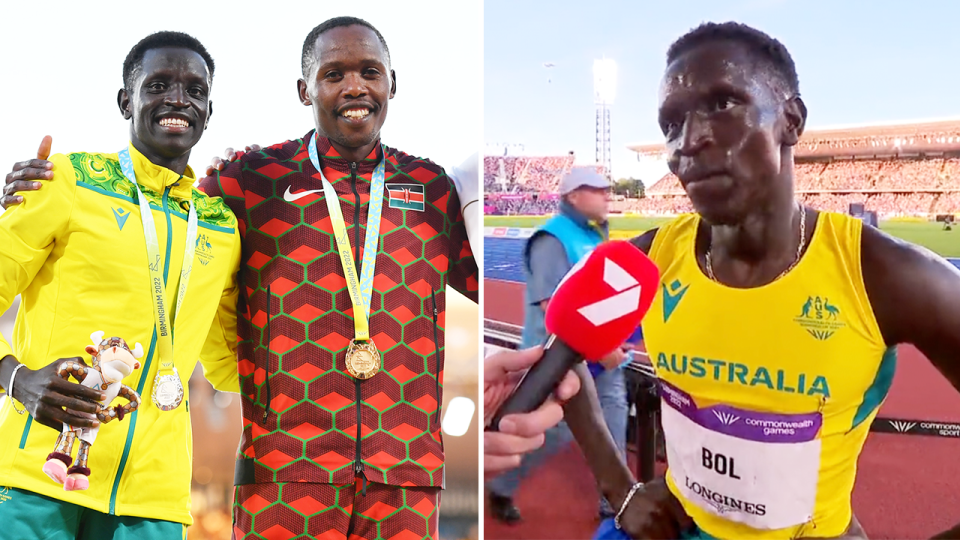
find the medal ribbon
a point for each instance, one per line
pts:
(162, 319)
(361, 290)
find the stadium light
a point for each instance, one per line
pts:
(604, 81)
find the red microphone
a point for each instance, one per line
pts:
(596, 307)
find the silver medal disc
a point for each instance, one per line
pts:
(167, 391)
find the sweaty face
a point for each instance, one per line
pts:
(591, 202)
(350, 86)
(169, 102)
(721, 115)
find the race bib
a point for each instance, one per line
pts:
(758, 469)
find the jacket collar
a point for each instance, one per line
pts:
(330, 158)
(157, 178)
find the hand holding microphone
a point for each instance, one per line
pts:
(521, 433)
(596, 307)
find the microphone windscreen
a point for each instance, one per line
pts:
(603, 298)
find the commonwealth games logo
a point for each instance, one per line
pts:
(902, 426)
(819, 317)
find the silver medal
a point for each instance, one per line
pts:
(167, 391)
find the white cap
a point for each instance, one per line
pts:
(582, 177)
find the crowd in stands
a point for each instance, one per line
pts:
(902, 141)
(891, 187)
(516, 174)
(525, 207)
(531, 182)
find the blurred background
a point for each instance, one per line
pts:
(257, 54)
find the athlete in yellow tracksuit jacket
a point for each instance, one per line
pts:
(76, 253)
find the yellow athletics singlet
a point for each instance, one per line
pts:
(767, 393)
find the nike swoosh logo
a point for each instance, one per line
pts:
(291, 197)
(670, 301)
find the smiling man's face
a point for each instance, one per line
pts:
(169, 102)
(350, 88)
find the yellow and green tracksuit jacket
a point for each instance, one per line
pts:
(75, 252)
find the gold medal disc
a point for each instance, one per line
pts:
(363, 359)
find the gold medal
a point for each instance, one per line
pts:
(363, 359)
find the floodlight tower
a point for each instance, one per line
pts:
(604, 86)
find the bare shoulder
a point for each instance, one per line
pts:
(884, 256)
(909, 287)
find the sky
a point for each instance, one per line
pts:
(62, 70)
(858, 63)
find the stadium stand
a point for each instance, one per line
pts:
(525, 185)
(898, 170)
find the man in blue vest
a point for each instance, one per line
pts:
(551, 252)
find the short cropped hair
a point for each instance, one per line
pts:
(133, 64)
(308, 59)
(764, 47)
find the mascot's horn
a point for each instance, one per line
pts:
(138, 351)
(97, 337)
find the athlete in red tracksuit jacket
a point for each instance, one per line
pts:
(311, 430)
(324, 453)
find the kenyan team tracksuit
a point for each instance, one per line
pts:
(316, 440)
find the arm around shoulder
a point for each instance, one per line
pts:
(44, 213)
(227, 185)
(29, 232)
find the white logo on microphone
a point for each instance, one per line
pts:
(626, 301)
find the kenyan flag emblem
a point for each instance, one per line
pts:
(406, 196)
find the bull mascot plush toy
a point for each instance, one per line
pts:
(112, 361)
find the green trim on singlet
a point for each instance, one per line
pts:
(880, 387)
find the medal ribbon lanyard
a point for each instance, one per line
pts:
(361, 290)
(162, 318)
